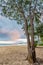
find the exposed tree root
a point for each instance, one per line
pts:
(36, 63)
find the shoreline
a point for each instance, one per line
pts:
(17, 45)
(7, 45)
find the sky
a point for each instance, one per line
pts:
(10, 30)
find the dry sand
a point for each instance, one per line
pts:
(15, 55)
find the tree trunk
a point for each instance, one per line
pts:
(32, 40)
(31, 14)
(31, 48)
(30, 59)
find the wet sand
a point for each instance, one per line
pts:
(16, 55)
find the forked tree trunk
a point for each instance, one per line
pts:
(31, 49)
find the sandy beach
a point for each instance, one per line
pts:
(15, 55)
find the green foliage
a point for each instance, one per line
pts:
(40, 29)
(41, 44)
(35, 44)
(15, 7)
(27, 2)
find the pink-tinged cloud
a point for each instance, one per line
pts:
(4, 31)
(15, 34)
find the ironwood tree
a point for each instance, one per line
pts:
(25, 12)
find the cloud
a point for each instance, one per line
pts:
(9, 24)
(0, 16)
(11, 28)
(4, 31)
(15, 34)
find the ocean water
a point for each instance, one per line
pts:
(15, 44)
(5, 44)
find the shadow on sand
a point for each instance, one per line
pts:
(40, 61)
